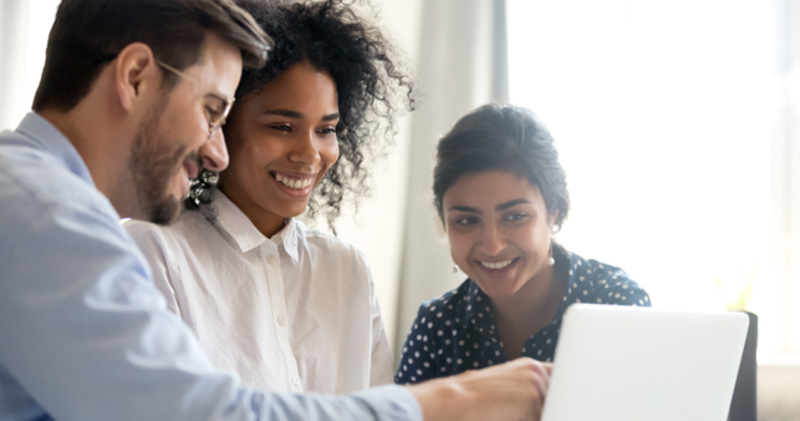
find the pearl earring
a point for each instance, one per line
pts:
(455, 268)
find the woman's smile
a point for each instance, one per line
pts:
(496, 265)
(297, 185)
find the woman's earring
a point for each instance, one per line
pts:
(552, 260)
(455, 268)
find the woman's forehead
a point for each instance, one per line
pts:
(490, 188)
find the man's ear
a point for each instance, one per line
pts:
(136, 72)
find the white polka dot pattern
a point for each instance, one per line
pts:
(456, 332)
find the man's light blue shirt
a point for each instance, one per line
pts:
(84, 334)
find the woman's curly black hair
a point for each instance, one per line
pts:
(370, 83)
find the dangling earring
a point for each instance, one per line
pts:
(455, 268)
(551, 260)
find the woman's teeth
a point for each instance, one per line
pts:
(497, 265)
(294, 183)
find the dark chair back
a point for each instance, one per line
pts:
(743, 404)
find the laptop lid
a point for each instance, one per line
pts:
(621, 363)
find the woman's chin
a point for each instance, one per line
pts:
(294, 211)
(498, 289)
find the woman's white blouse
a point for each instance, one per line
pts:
(292, 313)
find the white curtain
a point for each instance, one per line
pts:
(461, 65)
(24, 26)
(12, 52)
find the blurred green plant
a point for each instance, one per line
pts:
(737, 288)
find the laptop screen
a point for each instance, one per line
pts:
(620, 363)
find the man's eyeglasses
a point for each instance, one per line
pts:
(217, 113)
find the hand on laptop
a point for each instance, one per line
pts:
(510, 391)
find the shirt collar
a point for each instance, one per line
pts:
(477, 303)
(289, 237)
(37, 130)
(232, 220)
(245, 234)
(573, 262)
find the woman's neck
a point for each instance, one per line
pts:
(529, 310)
(267, 223)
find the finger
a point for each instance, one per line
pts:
(544, 369)
(541, 382)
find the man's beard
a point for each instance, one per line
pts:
(153, 164)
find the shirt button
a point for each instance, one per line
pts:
(271, 259)
(295, 381)
(281, 320)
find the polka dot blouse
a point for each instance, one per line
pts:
(456, 332)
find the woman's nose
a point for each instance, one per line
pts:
(492, 241)
(306, 149)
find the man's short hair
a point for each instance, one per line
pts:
(87, 34)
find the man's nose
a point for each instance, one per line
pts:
(214, 153)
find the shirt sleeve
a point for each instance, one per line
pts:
(619, 289)
(86, 336)
(152, 246)
(418, 360)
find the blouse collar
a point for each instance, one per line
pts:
(247, 237)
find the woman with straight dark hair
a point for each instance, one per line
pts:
(501, 194)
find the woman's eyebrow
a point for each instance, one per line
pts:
(297, 115)
(284, 113)
(511, 204)
(500, 207)
(463, 209)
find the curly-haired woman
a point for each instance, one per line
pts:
(287, 307)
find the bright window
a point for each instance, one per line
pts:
(669, 119)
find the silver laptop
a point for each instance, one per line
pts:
(620, 363)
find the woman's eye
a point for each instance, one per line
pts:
(328, 130)
(281, 127)
(515, 217)
(466, 221)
